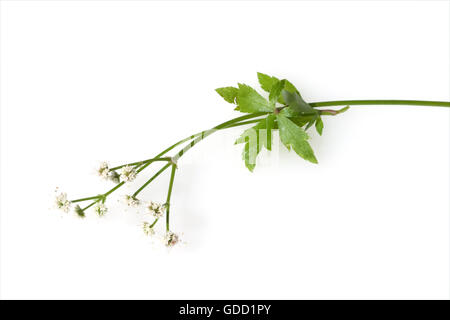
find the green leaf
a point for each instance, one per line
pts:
(252, 145)
(275, 92)
(294, 136)
(319, 125)
(255, 138)
(302, 120)
(251, 150)
(288, 112)
(228, 93)
(251, 101)
(297, 104)
(299, 120)
(312, 121)
(260, 131)
(266, 81)
(290, 87)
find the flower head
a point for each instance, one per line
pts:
(128, 174)
(100, 209)
(79, 211)
(171, 239)
(103, 170)
(62, 202)
(114, 176)
(156, 209)
(148, 229)
(131, 201)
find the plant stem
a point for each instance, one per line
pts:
(151, 179)
(85, 199)
(154, 222)
(139, 163)
(206, 133)
(225, 125)
(380, 102)
(243, 123)
(113, 189)
(240, 121)
(90, 205)
(169, 193)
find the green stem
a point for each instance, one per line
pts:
(169, 193)
(380, 102)
(239, 121)
(225, 125)
(243, 123)
(151, 179)
(149, 163)
(139, 163)
(113, 189)
(231, 123)
(85, 199)
(206, 133)
(90, 205)
(154, 222)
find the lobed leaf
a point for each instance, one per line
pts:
(267, 83)
(228, 93)
(319, 125)
(275, 92)
(297, 104)
(294, 136)
(251, 101)
(255, 138)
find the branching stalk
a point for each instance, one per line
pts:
(284, 110)
(239, 121)
(169, 193)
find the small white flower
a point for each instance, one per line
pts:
(100, 209)
(103, 170)
(148, 230)
(171, 239)
(62, 202)
(156, 209)
(131, 201)
(128, 174)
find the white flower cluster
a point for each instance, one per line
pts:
(103, 170)
(131, 201)
(100, 209)
(156, 209)
(62, 202)
(171, 239)
(128, 174)
(148, 229)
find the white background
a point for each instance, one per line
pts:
(83, 82)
